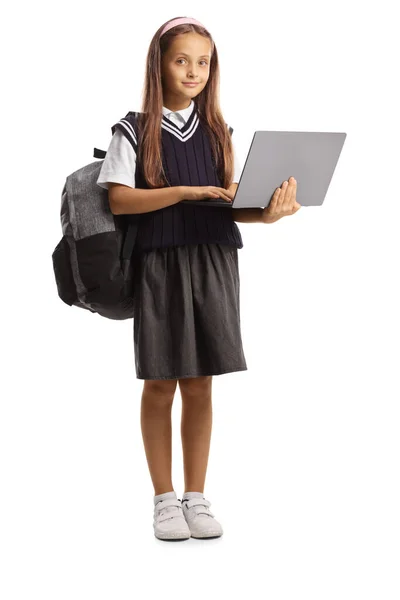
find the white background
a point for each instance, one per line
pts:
(304, 463)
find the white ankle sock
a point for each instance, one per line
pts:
(188, 495)
(164, 496)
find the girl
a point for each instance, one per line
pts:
(185, 260)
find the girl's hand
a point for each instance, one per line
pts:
(194, 192)
(283, 202)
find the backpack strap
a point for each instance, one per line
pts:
(128, 126)
(130, 236)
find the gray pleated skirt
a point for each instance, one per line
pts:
(187, 312)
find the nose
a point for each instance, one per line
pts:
(192, 73)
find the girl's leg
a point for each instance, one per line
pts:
(155, 417)
(196, 430)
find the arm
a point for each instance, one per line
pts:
(125, 200)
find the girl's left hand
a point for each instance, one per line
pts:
(283, 202)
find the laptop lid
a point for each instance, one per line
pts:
(274, 156)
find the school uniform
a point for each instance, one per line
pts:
(185, 260)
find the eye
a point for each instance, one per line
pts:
(204, 61)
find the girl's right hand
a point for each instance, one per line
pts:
(194, 192)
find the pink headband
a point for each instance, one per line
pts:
(180, 21)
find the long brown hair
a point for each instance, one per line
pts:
(207, 103)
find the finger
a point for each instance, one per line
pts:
(282, 195)
(275, 196)
(225, 194)
(292, 192)
(290, 188)
(222, 195)
(272, 205)
(228, 193)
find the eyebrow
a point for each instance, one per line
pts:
(202, 56)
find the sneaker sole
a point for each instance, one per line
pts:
(172, 537)
(209, 534)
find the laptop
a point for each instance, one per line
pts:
(274, 156)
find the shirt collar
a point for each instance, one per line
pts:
(184, 113)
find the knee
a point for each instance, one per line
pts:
(160, 390)
(198, 387)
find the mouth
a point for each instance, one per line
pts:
(190, 83)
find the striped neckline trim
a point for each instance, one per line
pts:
(187, 130)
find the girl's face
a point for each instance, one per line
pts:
(187, 59)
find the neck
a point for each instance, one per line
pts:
(175, 105)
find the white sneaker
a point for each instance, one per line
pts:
(169, 522)
(199, 517)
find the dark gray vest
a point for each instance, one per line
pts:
(187, 160)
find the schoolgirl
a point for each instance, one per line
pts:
(186, 299)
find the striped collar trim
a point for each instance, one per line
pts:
(187, 130)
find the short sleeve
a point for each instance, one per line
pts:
(119, 163)
(237, 170)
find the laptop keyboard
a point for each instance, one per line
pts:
(213, 202)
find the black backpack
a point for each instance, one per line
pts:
(92, 263)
